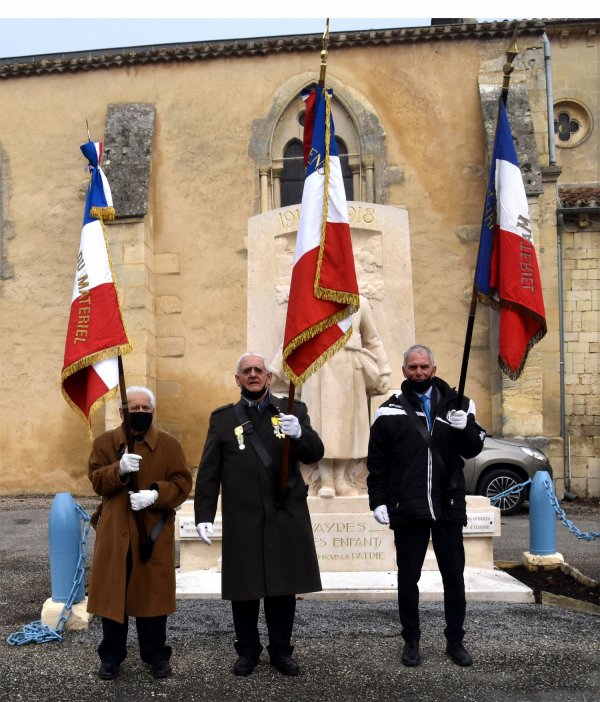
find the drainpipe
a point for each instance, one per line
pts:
(549, 99)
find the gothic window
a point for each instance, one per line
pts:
(292, 175)
(279, 157)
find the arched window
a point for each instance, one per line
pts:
(292, 175)
(346, 172)
(279, 159)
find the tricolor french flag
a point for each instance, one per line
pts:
(324, 290)
(507, 271)
(96, 332)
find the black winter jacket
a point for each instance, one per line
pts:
(412, 479)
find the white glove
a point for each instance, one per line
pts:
(381, 514)
(203, 529)
(457, 419)
(290, 425)
(142, 499)
(129, 463)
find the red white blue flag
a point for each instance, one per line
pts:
(96, 333)
(507, 273)
(324, 290)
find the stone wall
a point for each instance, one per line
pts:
(581, 266)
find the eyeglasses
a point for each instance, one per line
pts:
(253, 369)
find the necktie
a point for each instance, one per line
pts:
(425, 402)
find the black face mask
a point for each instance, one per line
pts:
(253, 394)
(141, 421)
(420, 386)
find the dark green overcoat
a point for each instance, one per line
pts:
(267, 550)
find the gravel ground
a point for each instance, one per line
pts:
(347, 650)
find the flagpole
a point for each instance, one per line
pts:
(508, 68)
(125, 410)
(285, 455)
(145, 546)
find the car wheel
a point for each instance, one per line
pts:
(499, 480)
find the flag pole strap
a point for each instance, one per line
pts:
(507, 69)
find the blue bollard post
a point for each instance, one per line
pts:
(542, 517)
(64, 536)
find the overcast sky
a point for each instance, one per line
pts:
(37, 28)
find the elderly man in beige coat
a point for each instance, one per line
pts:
(124, 582)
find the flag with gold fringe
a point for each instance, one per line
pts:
(324, 290)
(96, 332)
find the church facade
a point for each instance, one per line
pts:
(201, 139)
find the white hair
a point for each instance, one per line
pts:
(419, 347)
(252, 353)
(141, 388)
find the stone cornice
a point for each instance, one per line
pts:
(23, 67)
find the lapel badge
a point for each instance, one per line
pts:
(277, 430)
(239, 435)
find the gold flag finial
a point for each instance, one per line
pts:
(508, 68)
(324, 52)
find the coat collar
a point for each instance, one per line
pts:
(150, 439)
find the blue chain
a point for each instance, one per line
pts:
(510, 491)
(586, 536)
(37, 632)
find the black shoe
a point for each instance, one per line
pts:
(459, 653)
(108, 670)
(410, 653)
(244, 665)
(286, 665)
(162, 669)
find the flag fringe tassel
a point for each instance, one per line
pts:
(103, 213)
(320, 361)
(512, 373)
(93, 358)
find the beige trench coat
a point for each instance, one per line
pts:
(151, 588)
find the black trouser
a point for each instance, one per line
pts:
(152, 635)
(411, 546)
(151, 632)
(279, 616)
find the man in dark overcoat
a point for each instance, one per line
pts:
(268, 545)
(416, 485)
(122, 583)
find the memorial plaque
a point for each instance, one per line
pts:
(352, 541)
(480, 523)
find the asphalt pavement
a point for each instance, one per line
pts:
(347, 650)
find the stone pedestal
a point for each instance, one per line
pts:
(347, 537)
(78, 620)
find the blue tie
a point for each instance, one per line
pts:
(425, 402)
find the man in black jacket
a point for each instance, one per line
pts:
(268, 545)
(416, 485)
